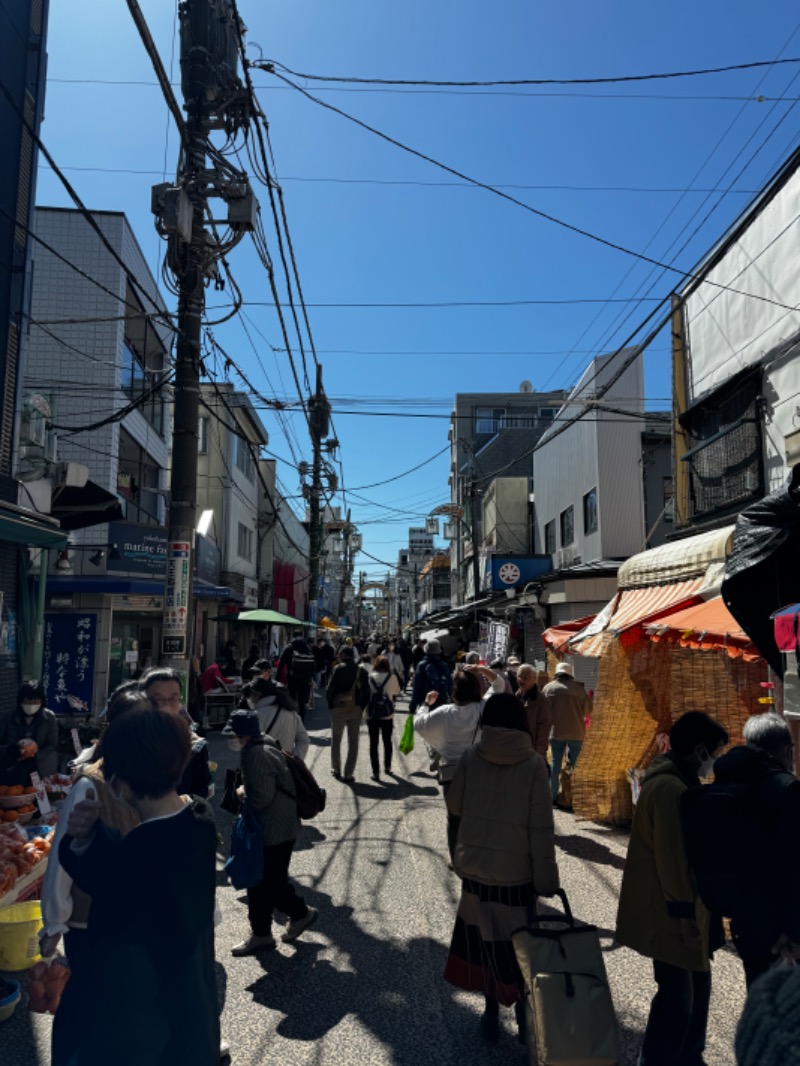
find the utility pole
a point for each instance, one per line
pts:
(319, 419)
(214, 98)
(348, 529)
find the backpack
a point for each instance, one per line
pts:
(303, 666)
(380, 705)
(310, 797)
(438, 677)
(728, 846)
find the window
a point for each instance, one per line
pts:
(489, 419)
(244, 546)
(244, 458)
(135, 381)
(590, 511)
(202, 436)
(547, 414)
(550, 537)
(138, 475)
(567, 522)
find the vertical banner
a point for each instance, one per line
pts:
(176, 599)
(68, 662)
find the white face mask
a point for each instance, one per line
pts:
(234, 744)
(30, 709)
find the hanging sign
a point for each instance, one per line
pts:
(68, 662)
(176, 598)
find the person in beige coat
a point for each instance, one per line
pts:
(660, 912)
(537, 709)
(504, 854)
(570, 706)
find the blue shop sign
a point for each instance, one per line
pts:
(514, 571)
(137, 549)
(68, 662)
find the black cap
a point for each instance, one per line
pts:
(244, 724)
(260, 665)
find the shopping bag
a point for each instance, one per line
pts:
(245, 867)
(230, 802)
(406, 744)
(565, 784)
(569, 1008)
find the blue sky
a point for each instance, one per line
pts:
(364, 242)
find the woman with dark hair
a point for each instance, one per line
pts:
(661, 915)
(452, 728)
(65, 907)
(383, 682)
(505, 856)
(28, 737)
(152, 922)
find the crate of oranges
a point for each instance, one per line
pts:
(15, 799)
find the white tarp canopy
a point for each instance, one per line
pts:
(679, 560)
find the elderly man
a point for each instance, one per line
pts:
(536, 707)
(570, 706)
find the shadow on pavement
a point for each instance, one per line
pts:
(387, 986)
(582, 847)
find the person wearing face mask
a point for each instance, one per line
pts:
(277, 716)
(661, 915)
(269, 791)
(31, 723)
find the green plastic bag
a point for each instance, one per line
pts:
(406, 744)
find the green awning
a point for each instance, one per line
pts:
(18, 528)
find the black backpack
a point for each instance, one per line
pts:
(303, 666)
(728, 845)
(439, 678)
(380, 705)
(311, 799)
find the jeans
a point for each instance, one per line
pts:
(274, 891)
(380, 727)
(453, 822)
(557, 749)
(340, 720)
(676, 1029)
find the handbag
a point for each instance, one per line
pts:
(230, 802)
(569, 1009)
(245, 867)
(406, 745)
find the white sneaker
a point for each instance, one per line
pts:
(294, 929)
(224, 1049)
(253, 945)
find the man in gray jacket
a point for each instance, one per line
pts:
(570, 706)
(269, 790)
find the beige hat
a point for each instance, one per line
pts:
(564, 668)
(512, 660)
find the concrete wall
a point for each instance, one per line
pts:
(506, 510)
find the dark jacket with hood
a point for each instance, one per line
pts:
(771, 838)
(432, 674)
(660, 911)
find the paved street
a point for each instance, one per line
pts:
(364, 985)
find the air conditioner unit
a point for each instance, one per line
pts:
(70, 474)
(569, 556)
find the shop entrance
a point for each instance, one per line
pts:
(134, 647)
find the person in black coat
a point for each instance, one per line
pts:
(145, 988)
(29, 721)
(769, 922)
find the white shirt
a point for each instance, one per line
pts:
(452, 728)
(288, 729)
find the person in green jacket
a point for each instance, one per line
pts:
(660, 912)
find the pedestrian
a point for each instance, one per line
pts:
(268, 789)
(418, 652)
(431, 675)
(752, 870)
(348, 695)
(513, 664)
(569, 708)
(250, 661)
(28, 737)
(277, 717)
(152, 914)
(162, 686)
(395, 662)
(536, 707)
(505, 856)
(384, 688)
(451, 729)
(227, 660)
(661, 915)
(407, 656)
(296, 667)
(213, 679)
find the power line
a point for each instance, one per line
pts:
(578, 230)
(272, 67)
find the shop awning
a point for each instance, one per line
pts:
(77, 507)
(635, 607)
(21, 528)
(67, 584)
(219, 593)
(705, 626)
(557, 636)
(679, 560)
(269, 617)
